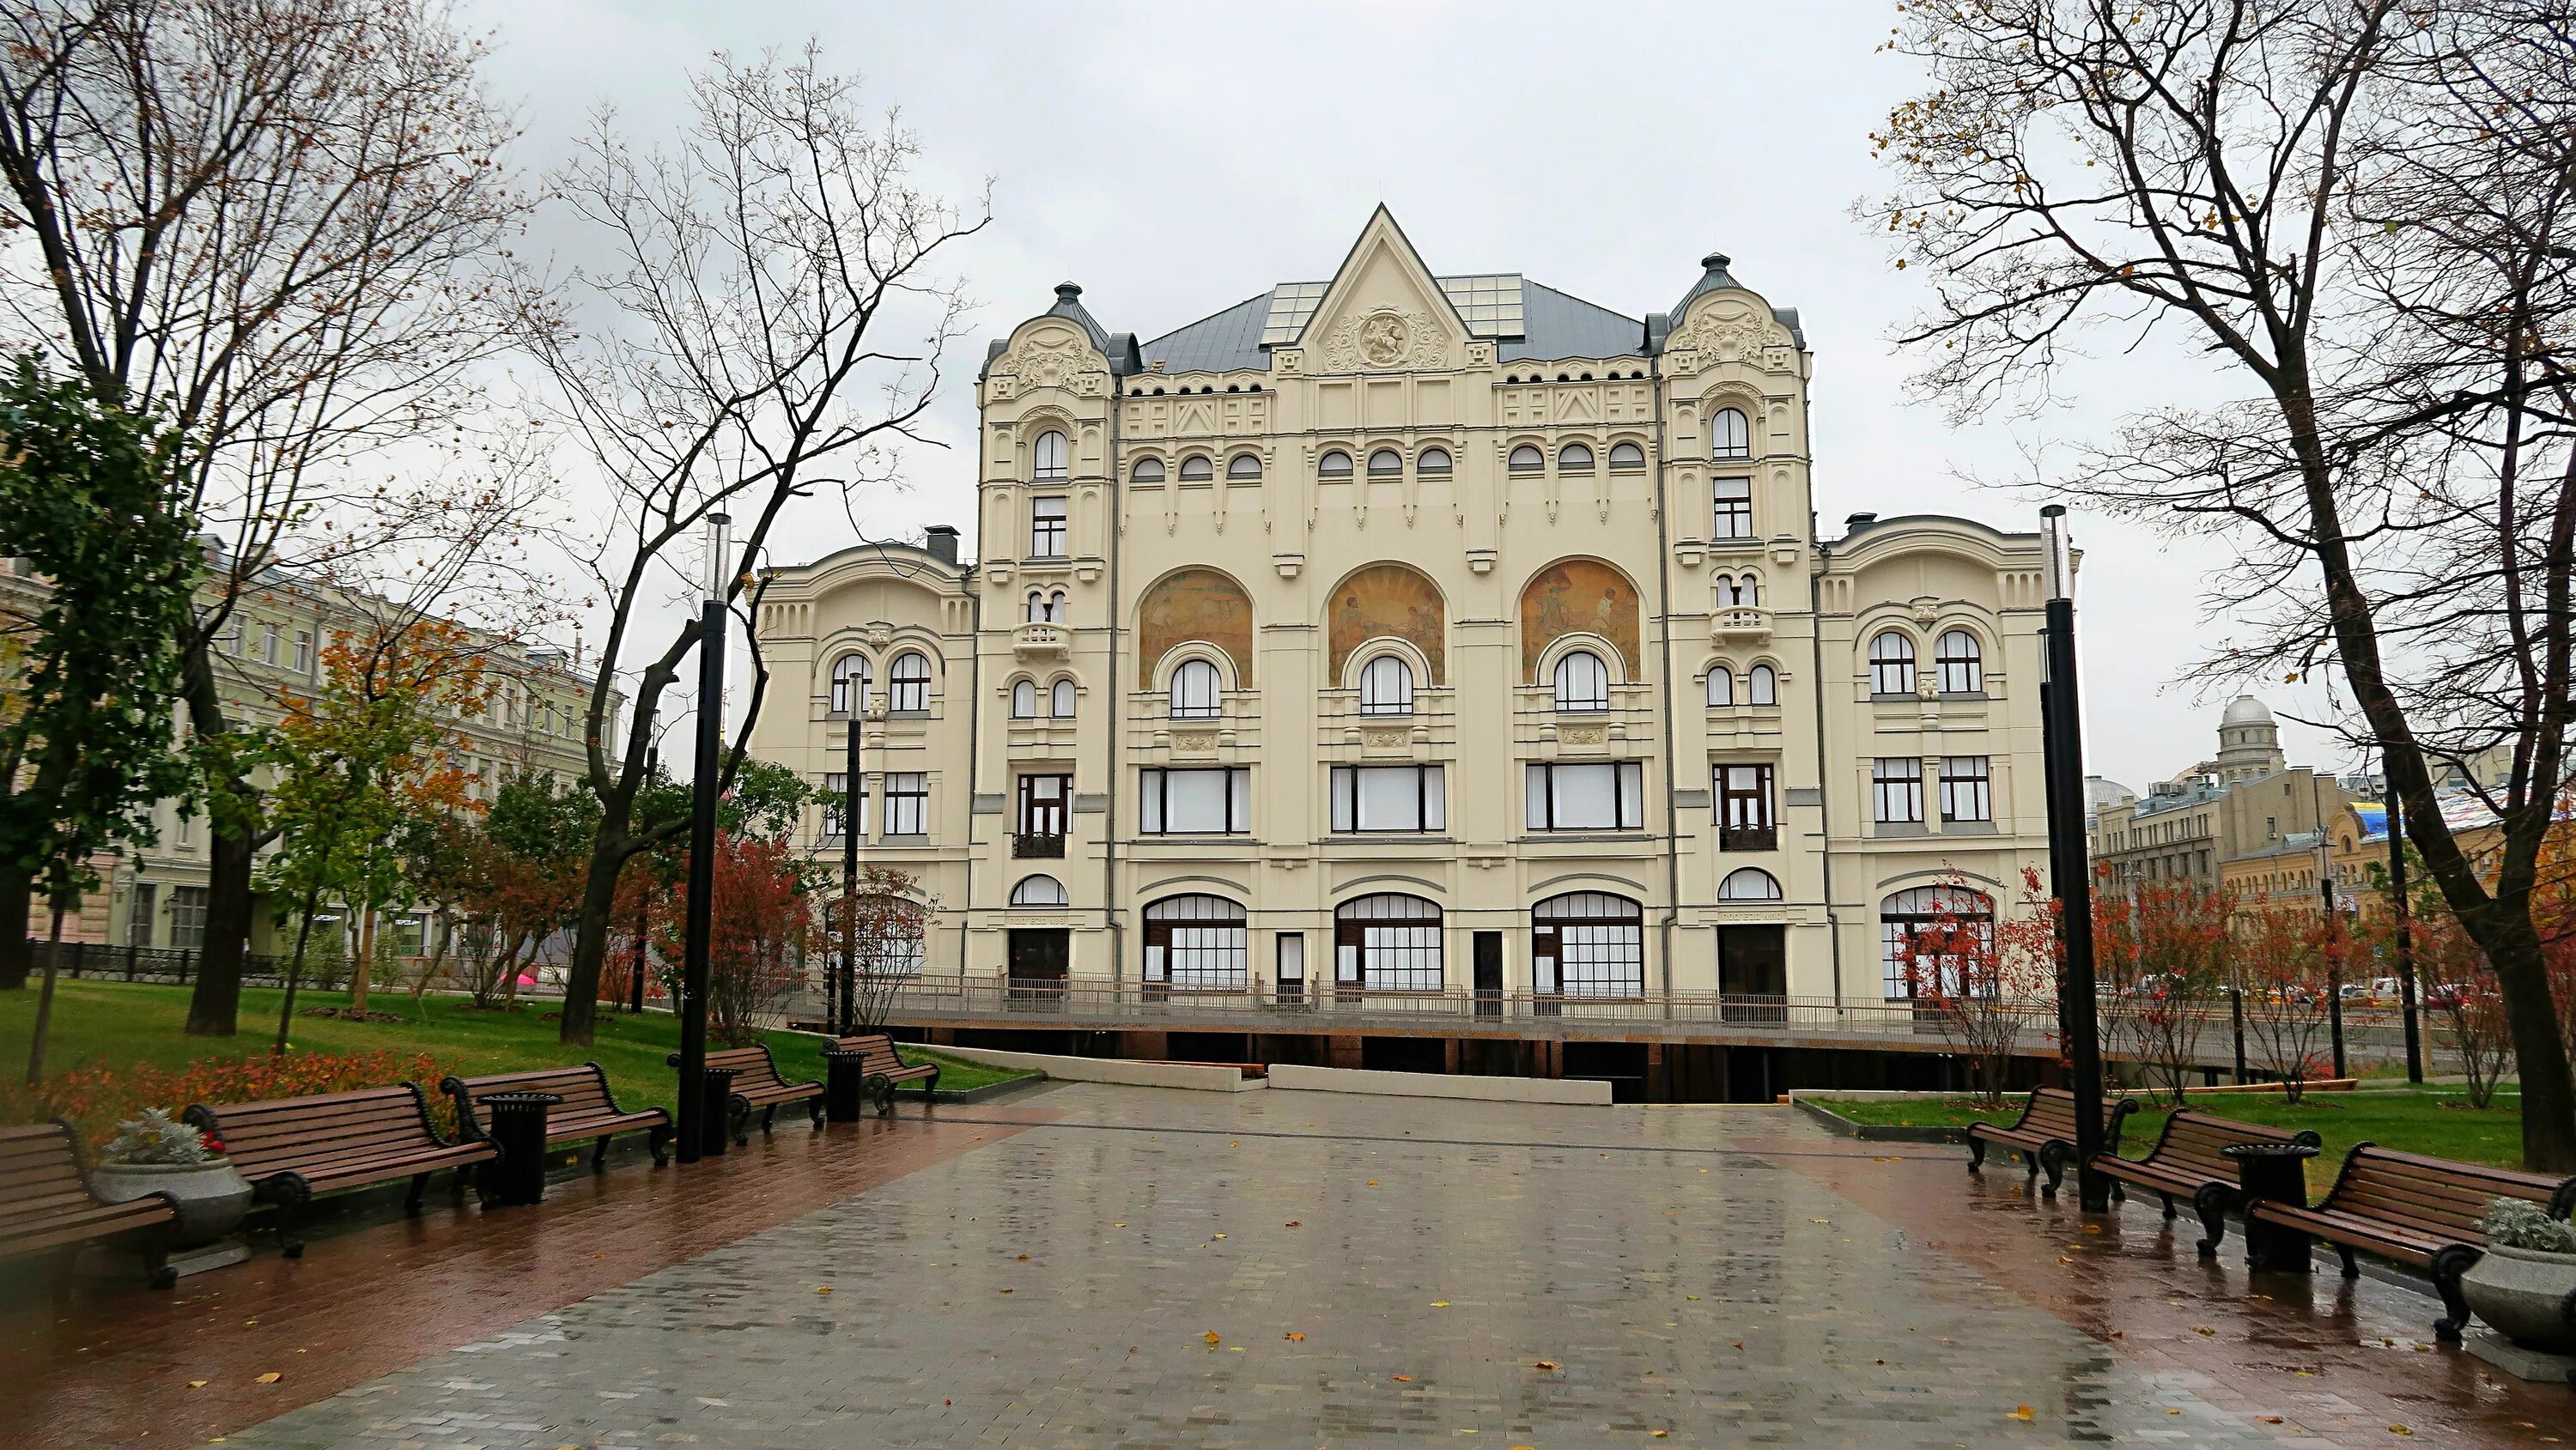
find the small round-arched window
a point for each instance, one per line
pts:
(908, 684)
(1728, 435)
(1581, 682)
(1527, 459)
(1243, 466)
(1891, 664)
(1196, 689)
(1385, 463)
(1961, 663)
(1197, 469)
(1432, 460)
(1038, 891)
(1147, 470)
(1051, 457)
(1749, 883)
(850, 684)
(1063, 699)
(1024, 700)
(1386, 687)
(1721, 685)
(1334, 464)
(1626, 457)
(1762, 686)
(1574, 458)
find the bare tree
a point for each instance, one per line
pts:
(2357, 210)
(729, 358)
(262, 222)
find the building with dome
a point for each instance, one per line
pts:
(1418, 669)
(2246, 800)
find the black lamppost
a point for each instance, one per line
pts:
(702, 839)
(851, 795)
(2062, 747)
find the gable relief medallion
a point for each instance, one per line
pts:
(1387, 338)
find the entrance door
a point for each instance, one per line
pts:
(1039, 958)
(1489, 974)
(1753, 973)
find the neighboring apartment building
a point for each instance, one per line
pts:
(2243, 801)
(1398, 633)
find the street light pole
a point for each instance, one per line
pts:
(2334, 955)
(2063, 751)
(850, 795)
(702, 839)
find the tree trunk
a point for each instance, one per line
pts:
(2512, 947)
(510, 969)
(214, 1007)
(590, 939)
(295, 971)
(366, 961)
(44, 1004)
(17, 892)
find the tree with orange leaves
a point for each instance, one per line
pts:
(1985, 983)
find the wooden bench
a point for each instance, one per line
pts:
(588, 1109)
(2187, 1162)
(2417, 1211)
(756, 1084)
(45, 1202)
(2044, 1134)
(884, 1068)
(293, 1148)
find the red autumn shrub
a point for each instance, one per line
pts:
(97, 1096)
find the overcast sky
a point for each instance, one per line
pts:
(1176, 159)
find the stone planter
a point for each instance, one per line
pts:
(2527, 1296)
(211, 1197)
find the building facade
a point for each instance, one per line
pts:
(1402, 633)
(2243, 804)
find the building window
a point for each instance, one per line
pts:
(1917, 937)
(1734, 509)
(1195, 691)
(1385, 463)
(1334, 464)
(1387, 943)
(1582, 684)
(1045, 804)
(850, 685)
(907, 803)
(1390, 798)
(1749, 883)
(302, 658)
(1432, 461)
(1046, 528)
(138, 914)
(1386, 687)
(1891, 664)
(1147, 470)
(1197, 469)
(1062, 703)
(908, 684)
(1526, 459)
(1896, 785)
(836, 803)
(1039, 891)
(1967, 789)
(1209, 802)
(1197, 944)
(1626, 458)
(1052, 458)
(1738, 591)
(1024, 700)
(1245, 467)
(1762, 686)
(1961, 664)
(1588, 944)
(1574, 458)
(1728, 435)
(1609, 796)
(268, 638)
(188, 918)
(1744, 820)
(1045, 608)
(1721, 685)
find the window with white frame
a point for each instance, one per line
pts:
(1211, 801)
(1047, 527)
(1040, 890)
(1390, 798)
(1197, 943)
(1762, 686)
(1050, 458)
(907, 803)
(1602, 796)
(1721, 685)
(1734, 519)
(1891, 664)
(1749, 883)
(1387, 942)
(1735, 591)
(836, 803)
(1961, 663)
(1196, 691)
(908, 684)
(1896, 789)
(1582, 682)
(1588, 944)
(1967, 788)
(301, 661)
(1061, 701)
(1024, 700)
(1386, 686)
(850, 685)
(1334, 464)
(1729, 436)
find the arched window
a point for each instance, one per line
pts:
(1056, 605)
(908, 684)
(1737, 590)
(1891, 664)
(1197, 469)
(1387, 943)
(1147, 470)
(1625, 457)
(850, 685)
(1581, 682)
(1728, 436)
(1432, 460)
(1961, 663)
(1588, 944)
(1063, 694)
(1196, 944)
(1527, 459)
(1024, 700)
(1762, 686)
(1038, 891)
(1052, 457)
(1386, 687)
(1386, 463)
(1334, 464)
(1574, 458)
(1244, 466)
(1721, 685)
(1195, 688)
(1749, 883)
(1930, 937)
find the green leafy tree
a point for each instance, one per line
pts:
(85, 730)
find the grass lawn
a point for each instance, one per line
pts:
(120, 1024)
(2430, 1120)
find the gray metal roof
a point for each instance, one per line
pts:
(1223, 343)
(1556, 324)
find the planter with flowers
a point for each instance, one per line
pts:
(2525, 1286)
(156, 1153)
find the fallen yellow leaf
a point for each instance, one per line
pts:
(822, 1288)
(2399, 1430)
(1372, 1183)
(2203, 1329)
(1694, 1298)
(2269, 1419)
(2022, 1412)
(1659, 1434)
(1220, 1236)
(1404, 1379)
(1546, 1364)
(1293, 1334)
(269, 1378)
(196, 1384)
(1439, 1303)
(1211, 1336)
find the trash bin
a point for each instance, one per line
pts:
(2275, 1173)
(845, 1083)
(518, 1129)
(715, 1111)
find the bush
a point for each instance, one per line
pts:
(2515, 1224)
(97, 1098)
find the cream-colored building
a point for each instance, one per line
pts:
(1403, 633)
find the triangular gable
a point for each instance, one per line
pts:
(1383, 311)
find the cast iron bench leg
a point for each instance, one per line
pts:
(2211, 1204)
(2448, 1265)
(290, 1193)
(654, 1139)
(1976, 1154)
(599, 1155)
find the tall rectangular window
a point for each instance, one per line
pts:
(302, 659)
(1046, 528)
(268, 638)
(1734, 509)
(1967, 788)
(1609, 796)
(836, 801)
(188, 917)
(139, 913)
(1209, 802)
(907, 803)
(1896, 783)
(1390, 798)
(1744, 819)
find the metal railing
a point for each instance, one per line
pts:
(101, 961)
(1030, 846)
